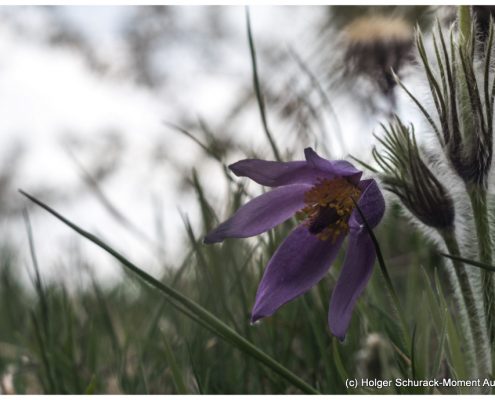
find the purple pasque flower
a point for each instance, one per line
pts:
(322, 195)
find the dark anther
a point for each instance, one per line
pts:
(325, 217)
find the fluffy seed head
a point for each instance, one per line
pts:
(462, 95)
(378, 29)
(375, 359)
(376, 46)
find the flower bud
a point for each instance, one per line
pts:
(405, 174)
(463, 102)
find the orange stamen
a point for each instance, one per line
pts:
(335, 194)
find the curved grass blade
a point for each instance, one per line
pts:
(470, 262)
(177, 300)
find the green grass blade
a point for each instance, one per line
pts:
(470, 262)
(179, 384)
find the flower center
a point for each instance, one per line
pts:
(329, 205)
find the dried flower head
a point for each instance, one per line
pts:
(375, 360)
(405, 174)
(376, 46)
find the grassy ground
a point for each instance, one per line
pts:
(130, 339)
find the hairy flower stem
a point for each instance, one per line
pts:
(477, 196)
(483, 365)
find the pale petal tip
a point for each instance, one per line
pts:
(257, 313)
(337, 333)
(255, 318)
(235, 167)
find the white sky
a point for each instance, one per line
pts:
(46, 92)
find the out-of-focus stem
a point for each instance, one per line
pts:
(476, 322)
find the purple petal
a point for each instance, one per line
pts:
(299, 263)
(340, 168)
(356, 272)
(274, 173)
(261, 214)
(371, 203)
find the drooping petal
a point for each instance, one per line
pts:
(371, 203)
(261, 214)
(339, 168)
(356, 272)
(299, 263)
(275, 173)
